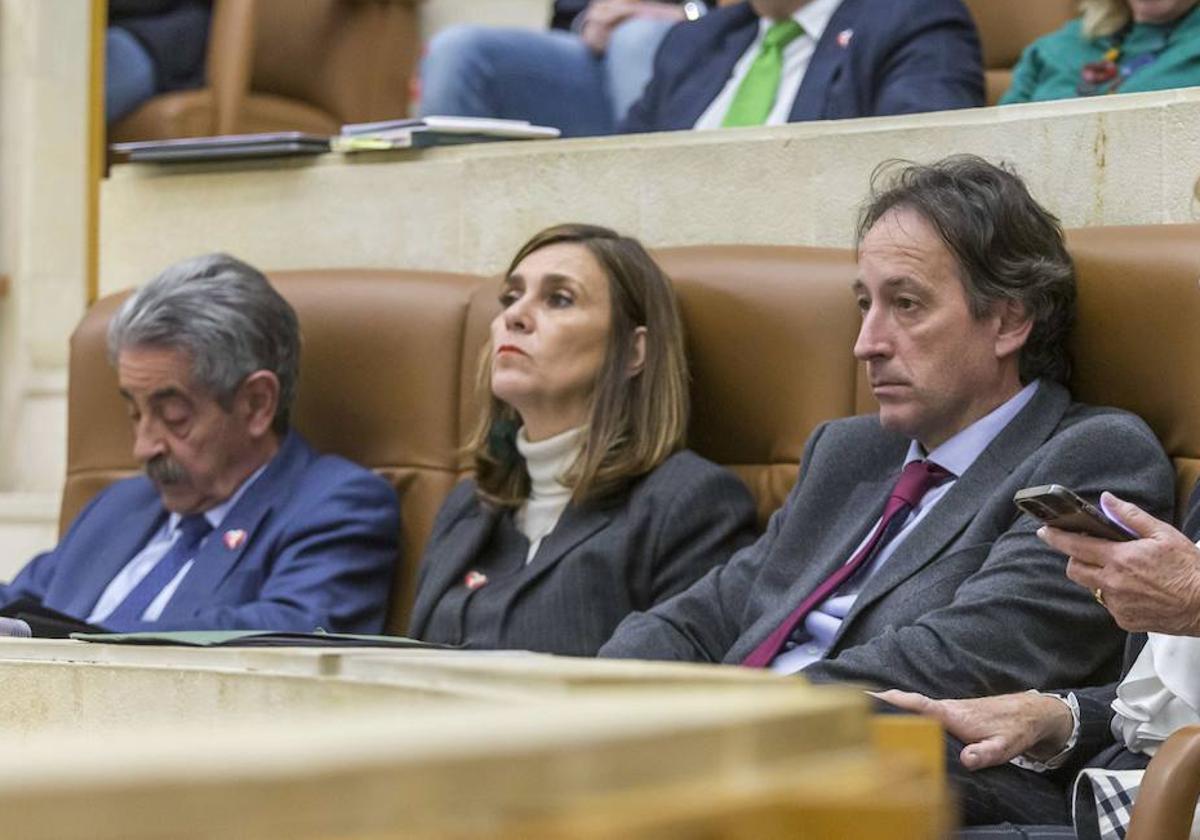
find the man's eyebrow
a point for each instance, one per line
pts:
(167, 393)
(904, 281)
(161, 394)
(896, 281)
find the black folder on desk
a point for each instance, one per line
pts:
(223, 147)
(45, 622)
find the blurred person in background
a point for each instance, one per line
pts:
(1114, 46)
(580, 77)
(768, 62)
(151, 47)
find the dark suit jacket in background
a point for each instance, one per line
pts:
(972, 603)
(320, 546)
(904, 57)
(174, 34)
(599, 563)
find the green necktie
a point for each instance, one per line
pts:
(756, 94)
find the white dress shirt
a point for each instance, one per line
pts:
(957, 454)
(814, 16)
(146, 559)
(1160, 694)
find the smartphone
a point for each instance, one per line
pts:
(1060, 507)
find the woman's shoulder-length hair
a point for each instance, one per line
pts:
(634, 423)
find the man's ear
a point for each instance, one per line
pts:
(258, 400)
(1013, 327)
(637, 356)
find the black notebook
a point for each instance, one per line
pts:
(273, 144)
(45, 622)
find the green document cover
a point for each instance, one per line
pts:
(255, 638)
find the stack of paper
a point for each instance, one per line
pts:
(435, 131)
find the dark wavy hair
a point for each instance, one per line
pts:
(1008, 247)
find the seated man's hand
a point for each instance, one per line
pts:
(1151, 584)
(601, 17)
(996, 729)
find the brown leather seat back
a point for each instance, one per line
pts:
(374, 388)
(277, 65)
(1007, 27)
(1137, 342)
(770, 332)
(485, 305)
(352, 60)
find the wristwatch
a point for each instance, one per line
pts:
(694, 9)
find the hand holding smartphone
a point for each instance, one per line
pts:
(1059, 507)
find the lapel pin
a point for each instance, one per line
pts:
(844, 37)
(234, 538)
(474, 580)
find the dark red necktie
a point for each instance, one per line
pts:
(917, 479)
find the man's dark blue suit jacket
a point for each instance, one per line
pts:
(311, 543)
(876, 57)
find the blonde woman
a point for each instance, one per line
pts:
(584, 505)
(1114, 46)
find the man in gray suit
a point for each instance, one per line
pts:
(899, 559)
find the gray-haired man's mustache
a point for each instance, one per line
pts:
(163, 470)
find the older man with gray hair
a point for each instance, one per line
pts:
(237, 522)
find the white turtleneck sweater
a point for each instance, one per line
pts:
(546, 461)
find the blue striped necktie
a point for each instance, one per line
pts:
(128, 614)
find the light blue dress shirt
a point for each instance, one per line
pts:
(146, 559)
(821, 626)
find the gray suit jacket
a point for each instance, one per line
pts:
(971, 603)
(596, 566)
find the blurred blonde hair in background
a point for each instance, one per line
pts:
(1103, 17)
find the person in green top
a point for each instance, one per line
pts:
(1114, 46)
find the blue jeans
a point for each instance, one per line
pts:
(548, 78)
(128, 74)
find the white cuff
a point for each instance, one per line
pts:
(1060, 758)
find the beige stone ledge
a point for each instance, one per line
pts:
(141, 742)
(1132, 159)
